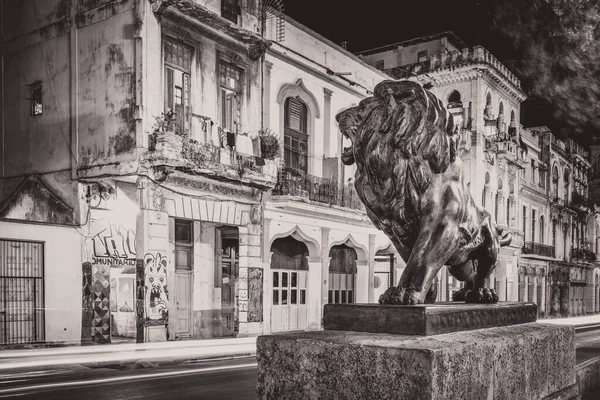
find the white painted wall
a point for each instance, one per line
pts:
(62, 276)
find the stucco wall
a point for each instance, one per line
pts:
(62, 276)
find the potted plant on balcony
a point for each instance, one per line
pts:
(270, 146)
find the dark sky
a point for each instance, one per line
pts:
(368, 24)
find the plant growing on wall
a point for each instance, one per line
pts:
(270, 146)
(161, 125)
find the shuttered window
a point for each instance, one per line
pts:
(295, 114)
(296, 138)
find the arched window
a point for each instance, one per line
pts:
(342, 274)
(454, 100)
(554, 234)
(501, 109)
(513, 123)
(296, 134)
(542, 227)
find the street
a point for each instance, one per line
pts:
(587, 345)
(226, 378)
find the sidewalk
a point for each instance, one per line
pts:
(121, 354)
(577, 322)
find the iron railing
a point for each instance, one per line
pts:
(317, 189)
(538, 249)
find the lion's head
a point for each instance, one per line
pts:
(401, 137)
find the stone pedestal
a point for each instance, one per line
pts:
(523, 361)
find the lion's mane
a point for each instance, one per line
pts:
(405, 137)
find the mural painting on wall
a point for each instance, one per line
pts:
(255, 290)
(101, 302)
(110, 246)
(87, 306)
(140, 296)
(156, 293)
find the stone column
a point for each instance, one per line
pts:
(314, 285)
(241, 291)
(325, 265)
(362, 277)
(327, 122)
(267, 275)
(371, 262)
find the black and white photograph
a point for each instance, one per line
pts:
(300, 199)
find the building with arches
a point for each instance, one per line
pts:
(572, 229)
(319, 246)
(484, 97)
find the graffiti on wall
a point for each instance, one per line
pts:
(101, 302)
(87, 306)
(157, 295)
(255, 293)
(114, 245)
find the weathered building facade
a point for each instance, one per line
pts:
(127, 131)
(484, 97)
(319, 246)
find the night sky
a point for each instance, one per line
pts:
(507, 28)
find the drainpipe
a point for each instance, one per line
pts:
(74, 89)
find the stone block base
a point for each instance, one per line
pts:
(528, 361)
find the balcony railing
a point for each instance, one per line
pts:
(314, 188)
(583, 254)
(538, 249)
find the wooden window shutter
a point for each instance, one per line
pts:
(168, 89)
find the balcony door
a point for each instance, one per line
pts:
(296, 136)
(177, 66)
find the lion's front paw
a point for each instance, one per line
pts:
(482, 296)
(392, 296)
(401, 296)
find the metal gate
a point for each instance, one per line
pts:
(21, 292)
(382, 278)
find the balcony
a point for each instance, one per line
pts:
(313, 188)
(177, 152)
(538, 249)
(511, 152)
(582, 255)
(581, 202)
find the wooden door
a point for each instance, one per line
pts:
(229, 276)
(183, 306)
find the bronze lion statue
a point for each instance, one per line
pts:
(409, 177)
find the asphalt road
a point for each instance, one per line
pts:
(223, 379)
(587, 345)
(226, 379)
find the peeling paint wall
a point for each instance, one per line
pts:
(106, 97)
(39, 39)
(204, 79)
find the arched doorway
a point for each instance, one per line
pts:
(383, 271)
(289, 269)
(342, 274)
